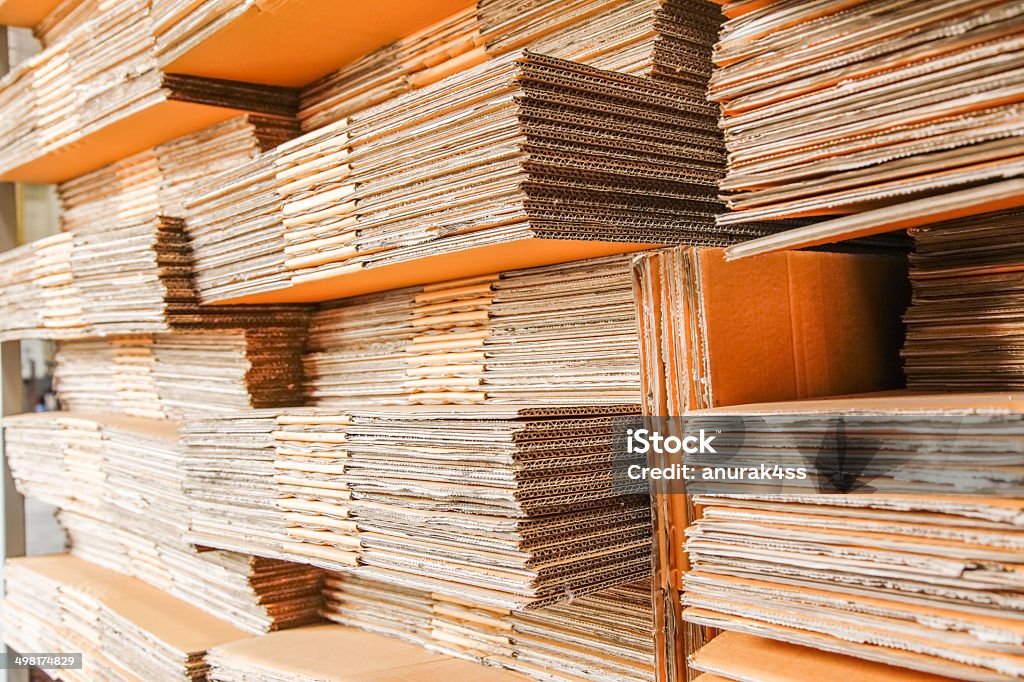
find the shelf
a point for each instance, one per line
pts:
(294, 42)
(148, 127)
(25, 13)
(443, 267)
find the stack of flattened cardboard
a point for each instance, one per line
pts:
(401, 612)
(483, 158)
(930, 583)
(156, 181)
(325, 653)
(870, 109)
(254, 594)
(182, 374)
(127, 191)
(553, 335)
(230, 370)
(357, 350)
(424, 57)
(133, 278)
(119, 483)
(19, 288)
(110, 375)
(510, 507)
(124, 629)
(229, 481)
(601, 636)
(189, 160)
(665, 39)
(235, 228)
(138, 278)
(895, 442)
(963, 324)
(447, 625)
(476, 196)
(733, 657)
(100, 73)
(38, 295)
(120, 279)
(57, 459)
(605, 637)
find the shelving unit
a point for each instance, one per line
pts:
(425, 448)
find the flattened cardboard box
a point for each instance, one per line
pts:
(119, 484)
(541, 336)
(735, 656)
(327, 652)
(667, 40)
(146, 631)
(355, 196)
(964, 316)
(601, 636)
(906, 102)
(926, 583)
(156, 181)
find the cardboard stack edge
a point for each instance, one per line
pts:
(539, 499)
(117, 482)
(117, 279)
(133, 631)
(122, 626)
(871, 117)
(634, 162)
(604, 636)
(667, 40)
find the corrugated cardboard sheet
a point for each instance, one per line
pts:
(122, 626)
(870, 109)
(119, 484)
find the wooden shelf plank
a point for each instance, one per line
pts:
(140, 130)
(294, 42)
(513, 255)
(25, 13)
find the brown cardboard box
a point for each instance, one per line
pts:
(780, 326)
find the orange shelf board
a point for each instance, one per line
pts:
(134, 133)
(483, 260)
(26, 13)
(294, 42)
